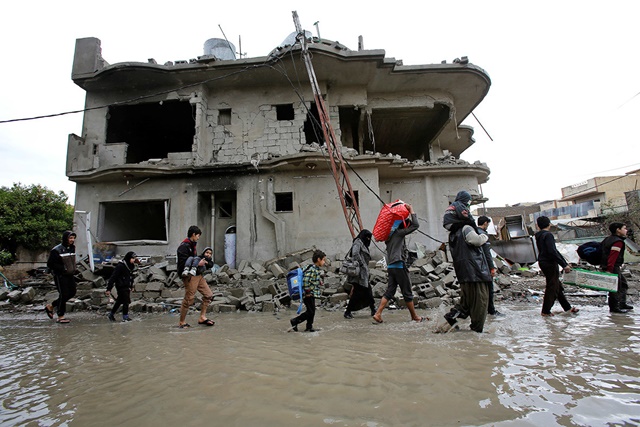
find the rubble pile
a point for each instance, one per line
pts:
(261, 286)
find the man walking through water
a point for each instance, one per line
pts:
(62, 263)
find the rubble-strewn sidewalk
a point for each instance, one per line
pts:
(261, 286)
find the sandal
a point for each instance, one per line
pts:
(207, 322)
(64, 321)
(376, 320)
(574, 310)
(547, 314)
(420, 320)
(49, 311)
(184, 326)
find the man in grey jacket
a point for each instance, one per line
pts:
(397, 273)
(472, 271)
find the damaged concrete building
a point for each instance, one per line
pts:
(233, 146)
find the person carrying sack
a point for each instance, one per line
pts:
(361, 293)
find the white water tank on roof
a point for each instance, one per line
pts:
(220, 48)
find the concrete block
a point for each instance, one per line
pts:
(433, 302)
(227, 308)
(268, 307)
(14, 296)
(137, 306)
(99, 282)
(4, 294)
(283, 298)
(338, 298)
(449, 279)
(426, 269)
(154, 287)
(5, 305)
(264, 298)
(152, 295)
(70, 306)
(140, 287)
(442, 267)
(28, 294)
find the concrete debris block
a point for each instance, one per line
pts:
(97, 295)
(28, 294)
(171, 278)
(4, 305)
(155, 308)
(257, 289)
(433, 302)
(213, 308)
(420, 262)
(528, 273)
(257, 266)
(70, 306)
(379, 289)
(154, 287)
(242, 265)
(162, 265)
(275, 289)
(14, 296)
(505, 269)
(136, 295)
(277, 271)
(227, 308)
(498, 263)
(154, 270)
(84, 286)
(438, 258)
(332, 281)
(426, 269)
(140, 287)
(264, 298)
(89, 275)
(283, 298)
(338, 298)
(377, 274)
(223, 278)
(433, 277)
(442, 267)
(233, 300)
(170, 268)
(440, 291)
(138, 306)
(237, 292)
(264, 275)
(268, 307)
(4, 294)
(329, 291)
(515, 267)
(449, 278)
(166, 293)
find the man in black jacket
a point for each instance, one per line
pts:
(612, 259)
(549, 260)
(62, 263)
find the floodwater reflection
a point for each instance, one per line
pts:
(569, 370)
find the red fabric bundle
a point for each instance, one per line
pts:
(390, 213)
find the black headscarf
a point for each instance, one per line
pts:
(365, 236)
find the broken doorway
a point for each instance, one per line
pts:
(217, 213)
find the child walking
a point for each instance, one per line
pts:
(122, 278)
(311, 287)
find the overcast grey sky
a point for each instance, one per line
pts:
(561, 108)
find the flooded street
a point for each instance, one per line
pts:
(569, 370)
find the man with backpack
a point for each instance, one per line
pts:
(612, 259)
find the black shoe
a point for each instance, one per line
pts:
(311, 330)
(618, 310)
(450, 317)
(112, 317)
(126, 318)
(626, 306)
(348, 315)
(294, 326)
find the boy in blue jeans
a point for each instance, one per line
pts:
(311, 287)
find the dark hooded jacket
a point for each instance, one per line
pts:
(360, 253)
(122, 276)
(62, 258)
(458, 214)
(607, 244)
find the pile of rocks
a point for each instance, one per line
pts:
(254, 285)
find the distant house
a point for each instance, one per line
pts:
(233, 145)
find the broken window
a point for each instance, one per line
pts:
(285, 112)
(225, 209)
(349, 126)
(312, 128)
(134, 221)
(348, 201)
(284, 202)
(224, 117)
(152, 130)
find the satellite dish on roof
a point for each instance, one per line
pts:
(220, 48)
(291, 38)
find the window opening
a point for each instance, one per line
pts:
(127, 221)
(285, 112)
(224, 116)
(284, 202)
(225, 209)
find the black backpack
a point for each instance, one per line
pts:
(591, 252)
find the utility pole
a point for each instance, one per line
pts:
(338, 168)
